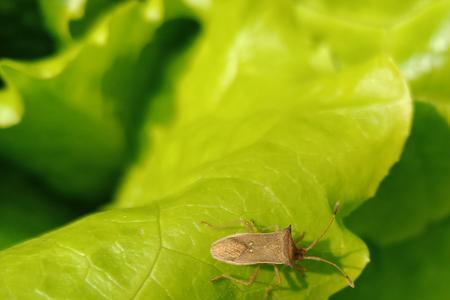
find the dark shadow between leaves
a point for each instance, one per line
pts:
(135, 85)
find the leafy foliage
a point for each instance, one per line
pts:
(79, 141)
(274, 112)
(414, 269)
(264, 173)
(417, 189)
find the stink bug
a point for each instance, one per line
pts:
(275, 248)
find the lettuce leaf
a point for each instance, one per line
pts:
(416, 34)
(11, 108)
(270, 116)
(426, 64)
(240, 85)
(274, 179)
(73, 133)
(416, 192)
(198, 168)
(69, 20)
(414, 269)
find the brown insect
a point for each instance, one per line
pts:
(275, 248)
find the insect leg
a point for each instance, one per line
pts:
(247, 282)
(300, 269)
(219, 227)
(277, 283)
(249, 224)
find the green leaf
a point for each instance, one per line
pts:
(427, 64)
(194, 9)
(144, 252)
(417, 191)
(213, 102)
(68, 20)
(73, 130)
(99, 257)
(415, 269)
(416, 33)
(381, 14)
(251, 132)
(11, 108)
(273, 171)
(58, 14)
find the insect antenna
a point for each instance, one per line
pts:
(316, 258)
(333, 217)
(349, 280)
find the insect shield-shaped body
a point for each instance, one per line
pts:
(275, 248)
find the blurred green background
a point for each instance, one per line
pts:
(65, 156)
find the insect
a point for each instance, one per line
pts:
(275, 248)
